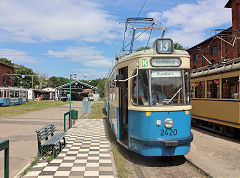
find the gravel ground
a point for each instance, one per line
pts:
(217, 155)
(156, 167)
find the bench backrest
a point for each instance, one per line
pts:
(45, 132)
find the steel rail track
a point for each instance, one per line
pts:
(200, 169)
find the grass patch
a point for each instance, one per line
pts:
(97, 111)
(28, 107)
(118, 152)
(33, 163)
(50, 158)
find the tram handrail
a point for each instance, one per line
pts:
(4, 145)
(127, 78)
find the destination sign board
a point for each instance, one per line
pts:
(165, 62)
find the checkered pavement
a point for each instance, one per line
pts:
(87, 154)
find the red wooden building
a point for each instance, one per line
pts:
(224, 45)
(5, 79)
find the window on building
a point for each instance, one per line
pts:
(200, 89)
(214, 51)
(230, 87)
(196, 57)
(213, 88)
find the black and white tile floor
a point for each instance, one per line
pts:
(87, 154)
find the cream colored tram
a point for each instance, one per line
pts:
(215, 97)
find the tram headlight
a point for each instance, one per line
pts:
(168, 123)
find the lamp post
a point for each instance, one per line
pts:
(70, 98)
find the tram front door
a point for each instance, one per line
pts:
(123, 107)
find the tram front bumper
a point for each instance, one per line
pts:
(163, 142)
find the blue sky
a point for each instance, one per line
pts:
(59, 37)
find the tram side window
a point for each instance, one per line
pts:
(200, 89)
(112, 89)
(230, 88)
(140, 91)
(213, 88)
(11, 93)
(16, 93)
(1, 94)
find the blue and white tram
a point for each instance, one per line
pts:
(13, 96)
(147, 101)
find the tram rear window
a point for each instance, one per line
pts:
(230, 88)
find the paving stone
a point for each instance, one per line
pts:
(86, 155)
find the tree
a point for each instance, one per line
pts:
(23, 79)
(57, 81)
(142, 48)
(178, 46)
(6, 61)
(43, 80)
(99, 83)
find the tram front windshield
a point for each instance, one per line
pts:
(158, 87)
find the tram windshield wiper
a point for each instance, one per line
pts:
(170, 100)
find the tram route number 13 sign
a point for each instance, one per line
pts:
(144, 63)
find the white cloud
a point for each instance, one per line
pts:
(88, 56)
(44, 20)
(16, 56)
(187, 23)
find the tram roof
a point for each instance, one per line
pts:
(13, 88)
(222, 67)
(150, 52)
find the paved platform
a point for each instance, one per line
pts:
(87, 154)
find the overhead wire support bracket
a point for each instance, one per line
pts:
(139, 23)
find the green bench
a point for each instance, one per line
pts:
(47, 139)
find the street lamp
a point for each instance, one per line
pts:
(70, 98)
